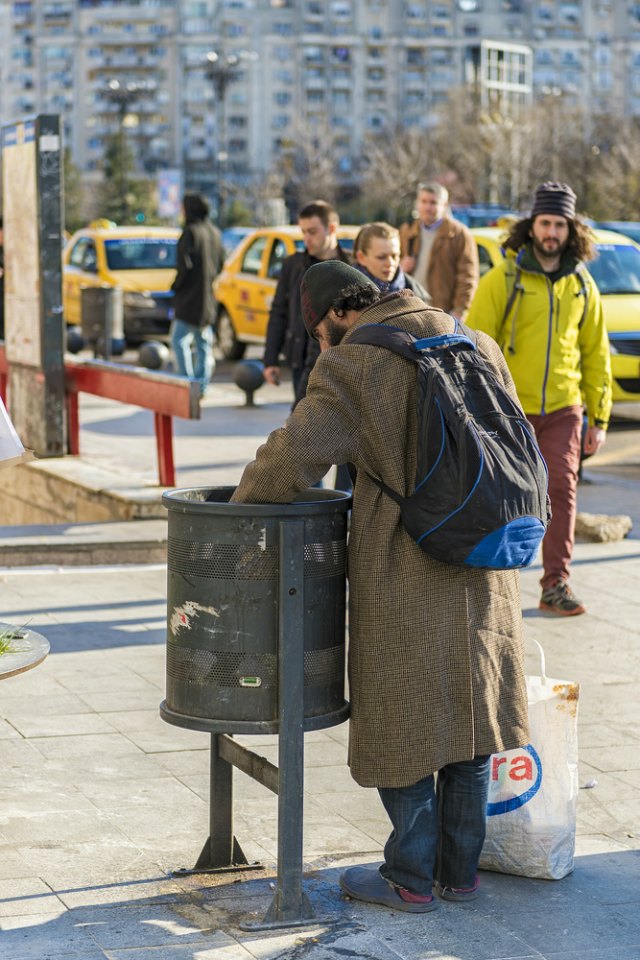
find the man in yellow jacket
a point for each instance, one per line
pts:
(543, 308)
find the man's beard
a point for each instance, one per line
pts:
(334, 331)
(545, 254)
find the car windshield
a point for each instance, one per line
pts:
(630, 229)
(345, 242)
(616, 268)
(148, 253)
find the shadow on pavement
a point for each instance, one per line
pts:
(591, 913)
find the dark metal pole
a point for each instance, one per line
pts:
(122, 110)
(290, 905)
(221, 851)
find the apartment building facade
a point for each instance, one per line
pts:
(206, 85)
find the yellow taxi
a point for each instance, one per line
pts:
(245, 287)
(616, 271)
(139, 260)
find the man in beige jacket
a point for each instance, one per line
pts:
(435, 655)
(440, 252)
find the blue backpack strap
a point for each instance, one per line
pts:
(390, 338)
(443, 341)
(408, 346)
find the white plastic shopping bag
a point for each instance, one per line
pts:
(11, 449)
(533, 791)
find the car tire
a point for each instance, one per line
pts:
(229, 345)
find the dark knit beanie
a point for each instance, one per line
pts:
(556, 198)
(323, 284)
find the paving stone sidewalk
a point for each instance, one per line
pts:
(100, 800)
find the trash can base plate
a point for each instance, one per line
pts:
(249, 726)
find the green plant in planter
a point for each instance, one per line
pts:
(7, 638)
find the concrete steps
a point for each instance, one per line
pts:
(73, 544)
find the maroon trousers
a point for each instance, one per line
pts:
(559, 436)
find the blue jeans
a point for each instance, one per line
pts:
(193, 351)
(438, 827)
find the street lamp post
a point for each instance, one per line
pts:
(222, 70)
(552, 95)
(123, 95)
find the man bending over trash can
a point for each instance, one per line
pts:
(435, 657)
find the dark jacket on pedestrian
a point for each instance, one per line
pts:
(453, 272)
(200, 257)
(285, 332)
(435, 651)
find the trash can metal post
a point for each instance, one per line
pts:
(221, 851)
(290, 904)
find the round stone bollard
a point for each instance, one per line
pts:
(153, 355)
(75, 340)
(249, 376)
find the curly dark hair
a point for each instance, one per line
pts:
(355, 297)
(580, 243)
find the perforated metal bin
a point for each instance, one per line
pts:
(226, 563)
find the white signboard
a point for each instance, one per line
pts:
(22, 295)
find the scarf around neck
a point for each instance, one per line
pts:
(399, 282)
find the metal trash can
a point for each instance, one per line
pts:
(102, 319)
(223, 618)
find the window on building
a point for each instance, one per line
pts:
(602, 56)
(415, 55)
(341, 9)
(283, 76)
(603, 79)
(570, 13)
(282, 54)
(313, 54)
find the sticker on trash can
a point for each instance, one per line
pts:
(250, 681)
(182, 617)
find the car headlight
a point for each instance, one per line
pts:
(143, 300)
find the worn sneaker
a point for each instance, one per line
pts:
(457, 893)
(362, 883)
(561, 600)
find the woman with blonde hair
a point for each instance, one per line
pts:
(376, 253)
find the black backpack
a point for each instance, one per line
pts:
(480, 497)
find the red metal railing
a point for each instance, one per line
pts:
(168, 396)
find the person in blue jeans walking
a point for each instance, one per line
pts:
(200, 257)
(436, 663)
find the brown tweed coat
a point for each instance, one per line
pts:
(435, 653)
